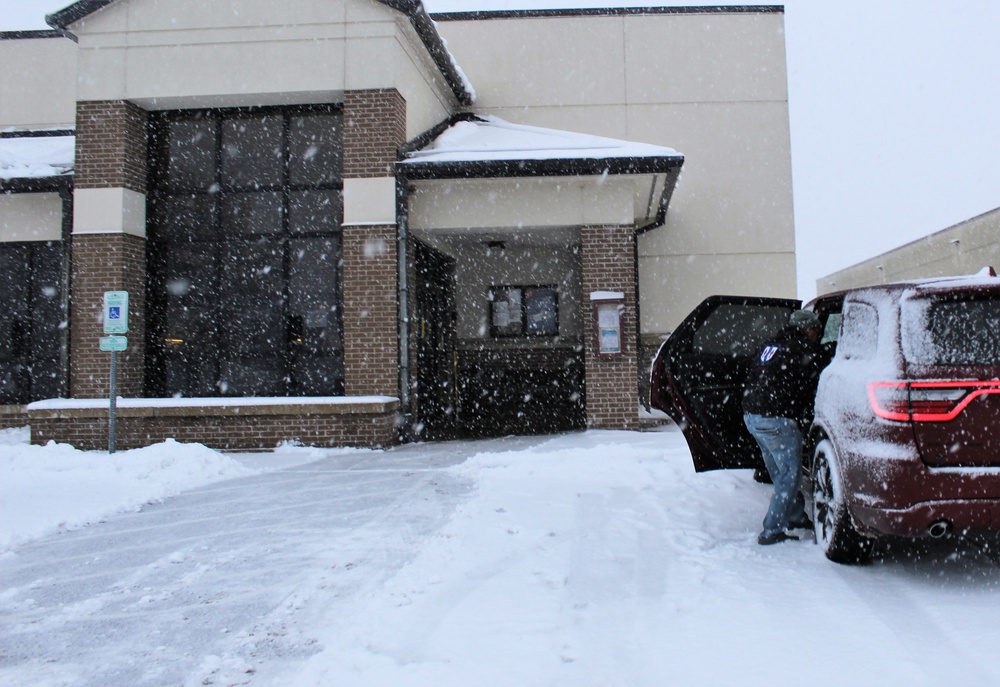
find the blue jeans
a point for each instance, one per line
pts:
(780, 440)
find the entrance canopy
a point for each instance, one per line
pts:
(483, 175)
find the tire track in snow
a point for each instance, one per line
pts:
(172, 591)
(920, 634)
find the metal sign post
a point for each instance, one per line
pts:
(115, 322)
(113, 405)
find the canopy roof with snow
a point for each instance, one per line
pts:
(488, 139)
(490, 143)
(489, 150)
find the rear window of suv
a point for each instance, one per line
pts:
(953, 331)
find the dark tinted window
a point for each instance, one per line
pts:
(317, 210)
(738, 330)
(251, 213)
(253, 151)
(191, 149)
(955, 332)
(245, 265)
(858, 332)
(186, 217)
(32, 326)
(314, 149)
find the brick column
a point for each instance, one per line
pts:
(374, 128)
(608, 262)
(371, 349)
(108, 242)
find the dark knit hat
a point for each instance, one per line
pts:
(804, 319)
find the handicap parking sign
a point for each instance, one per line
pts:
(115, 312)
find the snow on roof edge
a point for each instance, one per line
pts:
(36, 157)
(490, 138)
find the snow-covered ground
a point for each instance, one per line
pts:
(584, 560)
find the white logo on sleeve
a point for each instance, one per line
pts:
(769, 352)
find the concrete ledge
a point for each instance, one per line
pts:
(221, 423)
(66, 408)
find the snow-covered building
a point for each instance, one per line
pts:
(358, 221)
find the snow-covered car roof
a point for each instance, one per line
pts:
(985, 278)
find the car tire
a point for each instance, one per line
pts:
(841, 542)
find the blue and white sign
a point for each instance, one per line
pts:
(115, 312)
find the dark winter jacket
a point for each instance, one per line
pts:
(783, 383)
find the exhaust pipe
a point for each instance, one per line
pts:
(938, 529)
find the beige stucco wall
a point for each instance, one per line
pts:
(166, 54)
(964, 248)
(712, 86)
(37, 83)
(524, 203)
(30, 217)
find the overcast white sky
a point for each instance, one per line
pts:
(894, 115)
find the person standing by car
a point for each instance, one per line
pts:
(777, 406)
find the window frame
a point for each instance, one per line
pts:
(522, 328)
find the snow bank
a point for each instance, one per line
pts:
(47, 488)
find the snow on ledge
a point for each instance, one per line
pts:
(36, 157)
(227, 402)
(607, 296)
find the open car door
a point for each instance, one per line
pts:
(699, 373)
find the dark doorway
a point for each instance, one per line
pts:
(436, 393)
(506, 381)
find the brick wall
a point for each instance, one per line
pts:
(608, 261)
(106, 262)
(371, 349)
(110, 145)
(374, 128)
(222, 433)
(13, 416)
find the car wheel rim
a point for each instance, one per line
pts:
(823, 500)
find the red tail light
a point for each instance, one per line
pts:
(926, 401)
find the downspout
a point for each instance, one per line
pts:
(403, 297)
(640, 362)
(66, 294)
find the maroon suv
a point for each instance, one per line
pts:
(906, 438)
(907, 427)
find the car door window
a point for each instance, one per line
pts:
(738, 330)
(831, 331)
(859, 334)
